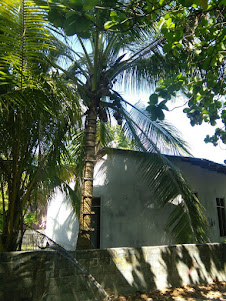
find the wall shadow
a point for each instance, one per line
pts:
(151, 268)
(133, 271)
(194, 264)
(42, 276)
(46, 275)
(23, 276)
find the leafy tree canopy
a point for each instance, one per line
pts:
(192, 56)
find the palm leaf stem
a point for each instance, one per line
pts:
(134, 134)
(86, 54)
(26, 177)
(77, 81)
(110, 44)
(81, 71)
(156, 125)
(96, 61)
(23, 29)
(29, 189)
(128, 118)
(145, 50)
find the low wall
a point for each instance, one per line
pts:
(46, 275)
(32, 239)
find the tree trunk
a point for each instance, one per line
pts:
(9, 241)
(11, 234)
(84, 238)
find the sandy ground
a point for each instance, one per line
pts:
(214, 291)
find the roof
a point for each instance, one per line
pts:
(213, 166)
(207, 164)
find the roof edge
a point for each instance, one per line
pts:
(204, 163)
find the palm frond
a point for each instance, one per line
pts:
(27, 43)
(136, 72)
(156, 136)
(75, 197)
(24, 38)
(104, 134)
(187, 222)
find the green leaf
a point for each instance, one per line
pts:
(153, 112)
(76, 24)
(56, 17)
(167, 47)
(153, 99)
(161, 115)
(167, 16)
(156, 112)
(84, 34)
(186, 3)
(223, 116)
(163, 106)
(114, 15)
(89, 4)
(70, 25)
(89, 17)
(109, 24)
(178, 34)
(76, 4)
(204, 3)
(168, 22)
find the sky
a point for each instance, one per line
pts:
(194, 136)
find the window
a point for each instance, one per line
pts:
(95, 223)
(221, 216)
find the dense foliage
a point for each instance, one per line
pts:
(36, 113)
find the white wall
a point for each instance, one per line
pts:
(62, 223)
(209, 185)
(128, 215)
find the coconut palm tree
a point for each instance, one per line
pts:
(37, 110)
(103, 58)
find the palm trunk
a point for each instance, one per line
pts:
(12, 230)
(84, 239)
(9, 240)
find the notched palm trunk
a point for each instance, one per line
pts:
(84, 238)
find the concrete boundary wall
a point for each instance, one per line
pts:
(46, 275)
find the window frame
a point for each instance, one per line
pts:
(220, 203)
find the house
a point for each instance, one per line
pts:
(125, 213)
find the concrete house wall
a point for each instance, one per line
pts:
(209, 184)
(129, 217)
(62, 222)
